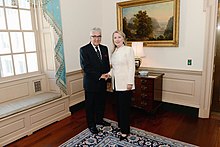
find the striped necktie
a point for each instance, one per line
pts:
(98, 53)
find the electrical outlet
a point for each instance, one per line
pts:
(37, 86)
(189, 62)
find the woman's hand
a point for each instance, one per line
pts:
(129, 86)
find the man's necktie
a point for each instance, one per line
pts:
(98, 53)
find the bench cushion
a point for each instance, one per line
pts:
(15, 106)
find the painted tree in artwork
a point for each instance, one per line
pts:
(143, 25)
(126, 30)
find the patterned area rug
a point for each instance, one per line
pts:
(108, 137)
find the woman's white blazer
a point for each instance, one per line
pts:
(123, 68)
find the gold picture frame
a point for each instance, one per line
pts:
(154, 22)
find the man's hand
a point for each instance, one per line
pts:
(104, 76)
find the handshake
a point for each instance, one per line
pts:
(104, 76)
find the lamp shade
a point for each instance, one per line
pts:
(138, 49)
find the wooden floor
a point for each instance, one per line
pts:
(173, 121)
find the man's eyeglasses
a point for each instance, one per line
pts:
(98, 37)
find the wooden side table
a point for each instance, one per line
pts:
(148, 92)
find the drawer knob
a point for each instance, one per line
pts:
(143, 87)
(143, 81)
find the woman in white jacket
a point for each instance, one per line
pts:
(123, 72)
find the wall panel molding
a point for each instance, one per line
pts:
(181, 87)
(75, 87)
(21, 88)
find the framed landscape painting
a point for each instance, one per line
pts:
(154, 22)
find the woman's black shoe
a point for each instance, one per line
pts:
(123, 138)
(118, 130)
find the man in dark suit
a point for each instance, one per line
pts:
(94, 61)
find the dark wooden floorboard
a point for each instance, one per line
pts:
(173, 121)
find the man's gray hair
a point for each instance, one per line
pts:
(95, 30)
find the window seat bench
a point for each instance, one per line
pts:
(22, 117)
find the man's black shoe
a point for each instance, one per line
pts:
(93, 130)
(104, 123)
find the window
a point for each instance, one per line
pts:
(18, 51)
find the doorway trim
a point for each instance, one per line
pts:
(210, 7)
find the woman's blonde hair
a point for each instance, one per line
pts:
(122, 34)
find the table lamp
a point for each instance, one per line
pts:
(138, 52)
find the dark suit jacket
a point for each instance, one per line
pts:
(93, 68)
